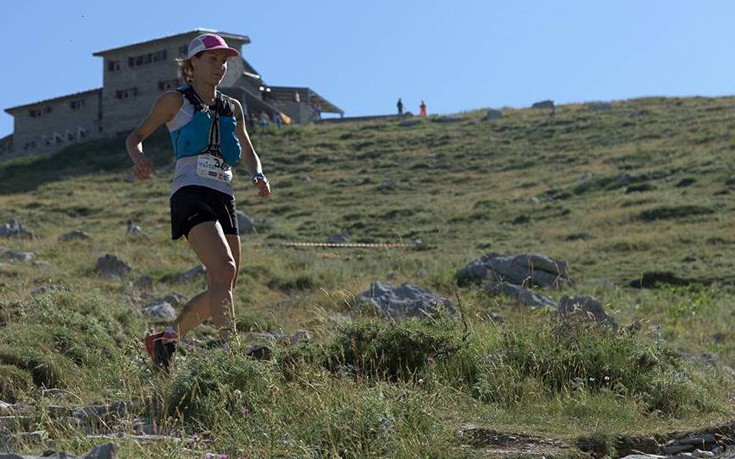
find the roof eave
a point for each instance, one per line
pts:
(53, 99)
(243, 38)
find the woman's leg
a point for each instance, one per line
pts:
(194, 312)
(233, 240)
(213, 249)
(197, 310)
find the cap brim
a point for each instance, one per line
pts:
(231, 52)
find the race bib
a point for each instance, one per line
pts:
(212, 167)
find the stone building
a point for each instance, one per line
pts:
(134, 76)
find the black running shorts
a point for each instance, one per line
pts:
(193, 204)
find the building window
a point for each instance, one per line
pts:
(113, 65)
(128, 93)
(166, 85)
(76, 104)
(82, 133)
(37, 112)
(183, 50)
(147, 58)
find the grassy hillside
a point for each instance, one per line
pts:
(645, 187)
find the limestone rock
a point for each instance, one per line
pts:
(245, 223)
(191, 274)
(111, 266)
(525, 270)
(403, 301)
(14, 228)
(493, 114)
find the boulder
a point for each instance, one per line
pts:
(544, 104)
(339, 239)
(159, 311)
(245, 223)
(13, 256)
(403, 301)
(587, 306)
(111, 266)
(14, 228)
(144, 283)
(525, 270)
(134, 229)
(191, 274)
(521, 294)
(493, 114)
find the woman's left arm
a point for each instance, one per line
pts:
(251, 159)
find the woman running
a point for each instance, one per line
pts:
(208, 135)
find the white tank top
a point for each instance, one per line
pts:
(202, 170)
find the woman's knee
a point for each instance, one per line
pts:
(224, 272)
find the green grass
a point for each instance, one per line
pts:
(643, 187)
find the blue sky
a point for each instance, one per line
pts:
(457, 55)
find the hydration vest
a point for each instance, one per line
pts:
(210, 131)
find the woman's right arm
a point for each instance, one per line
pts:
(163, 111)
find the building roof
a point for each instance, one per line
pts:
(53, 100)
(192, 33)
(308, 95)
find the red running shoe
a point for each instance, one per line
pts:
(161, 347)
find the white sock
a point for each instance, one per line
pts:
(227, 346)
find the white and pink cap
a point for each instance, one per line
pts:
(208, 42)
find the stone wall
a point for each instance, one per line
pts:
(45, 127)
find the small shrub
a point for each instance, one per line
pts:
(393, 352)
(210, 387)
(685, 302)
(674, 212)
(14, 383)
(572, 357)
(46, 370)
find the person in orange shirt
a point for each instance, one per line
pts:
(422, 109)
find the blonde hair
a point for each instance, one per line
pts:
(185, 70)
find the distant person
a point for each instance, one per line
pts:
(296, 97)
(202, 198)
(399, 106)
(278, 120)
(422, 109)
(264, 120)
